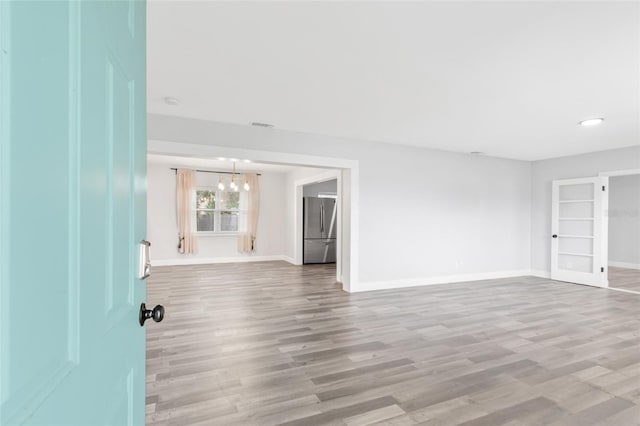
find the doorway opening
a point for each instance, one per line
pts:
(322, 168)
(284, 231)
(623, 241)
(319, 222)
(316, 184)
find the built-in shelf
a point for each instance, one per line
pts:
(576, 218)
(576, 236)
(577, 201)
(576, 254)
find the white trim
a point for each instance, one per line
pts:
(456, 279)
(187, 260)
(547, 275)
(339, 226)
(447, 279)
(604, 229)
(155, 146)
(623, 290)
(540, 273)
(626, 172)
(216, 234)
(624, 265)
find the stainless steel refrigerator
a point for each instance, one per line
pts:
(320, 224)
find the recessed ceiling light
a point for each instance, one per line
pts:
(171, 101)
(246, 161)
(221, 158)
(591, 121)
(258, 124)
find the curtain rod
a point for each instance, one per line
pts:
(213, 171)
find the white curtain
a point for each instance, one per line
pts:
(247, 239)
(185, 189)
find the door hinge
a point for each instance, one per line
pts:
(603, 187)
(602, 269)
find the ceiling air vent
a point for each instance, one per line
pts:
(258, 124)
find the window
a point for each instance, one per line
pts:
(220, 211)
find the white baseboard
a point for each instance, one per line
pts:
(624, 265)
(187, 260)
(447, 279)
(290, 260)
(367, 286)
(539, 273)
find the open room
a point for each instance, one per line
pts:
(219, 211)
(309, 213)
(624, 231)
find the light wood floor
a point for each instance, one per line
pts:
(626, 279)
(270, 343)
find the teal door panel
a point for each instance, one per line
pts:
(72, 212)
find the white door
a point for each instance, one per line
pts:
(579, 231)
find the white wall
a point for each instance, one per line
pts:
(424, 215)
(162, 229)
(545, 171)
(624, 221)
(438, 214)
(313, 189)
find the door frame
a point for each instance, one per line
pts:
(609, 174)
(348, 185)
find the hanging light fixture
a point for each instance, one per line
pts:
(247, 187)
(220, 183)
(233, 185)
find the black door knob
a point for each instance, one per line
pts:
(156, 313)
(554, 236)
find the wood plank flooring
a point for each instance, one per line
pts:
(271, 343)
(624, 278)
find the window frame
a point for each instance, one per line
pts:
(217, 221)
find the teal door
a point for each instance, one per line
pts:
(72, 212)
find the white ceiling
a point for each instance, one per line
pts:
(218, 165)
(511, 79)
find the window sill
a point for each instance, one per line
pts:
(217, 234)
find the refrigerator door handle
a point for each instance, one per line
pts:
(322, 219)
